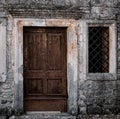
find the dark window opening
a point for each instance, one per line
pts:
(98, 49)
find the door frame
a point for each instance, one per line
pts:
(72, 59)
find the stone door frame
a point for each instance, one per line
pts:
(72, 58)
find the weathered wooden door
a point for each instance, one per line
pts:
(45, 86)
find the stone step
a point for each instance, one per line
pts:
(44, 116)
(61, 116)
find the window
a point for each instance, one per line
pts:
(98, 50)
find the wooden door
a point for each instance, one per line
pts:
(45, 79)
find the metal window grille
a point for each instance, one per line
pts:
(98, 49)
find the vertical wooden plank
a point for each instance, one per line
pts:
(54, 51)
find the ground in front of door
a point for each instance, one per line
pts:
(61, 116)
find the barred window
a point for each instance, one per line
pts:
(98, 49)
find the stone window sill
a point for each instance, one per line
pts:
(101, 76)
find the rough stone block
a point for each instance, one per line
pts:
(105, 3)
(2, 1)
(12, 1)
(94, 110)
(3, 117)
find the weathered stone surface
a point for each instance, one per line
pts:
(12, 1)
(2, 117)
(99, 116)
(44, 116)
(2, 1)
(99, 96)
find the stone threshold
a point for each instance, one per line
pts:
(43, 115)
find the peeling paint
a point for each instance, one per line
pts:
(20, 23)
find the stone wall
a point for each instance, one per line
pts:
(94, 96)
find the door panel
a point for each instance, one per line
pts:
(45, 69)
(54, 86)
(34, 86)
(54, 50)
(33, 44)
(46, 104)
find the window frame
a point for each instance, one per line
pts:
(112, 51)
(83, 50)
